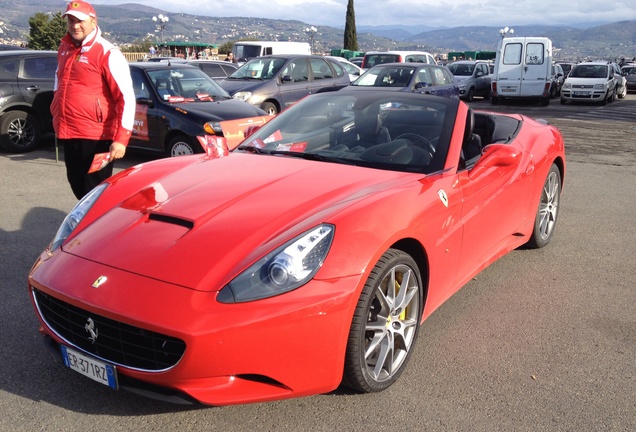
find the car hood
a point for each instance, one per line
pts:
(585, 81)
(235, 85)
(223, 109)
(461, 79)
(204, 223)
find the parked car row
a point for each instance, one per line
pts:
(180, 103)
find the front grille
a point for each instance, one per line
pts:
(117, 343)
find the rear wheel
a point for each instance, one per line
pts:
(19, 132)
(623, 93)
(548, 210)
(385, 324)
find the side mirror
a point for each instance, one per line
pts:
(421, 85)
(144, 101)
(494, 155)
(286, 78)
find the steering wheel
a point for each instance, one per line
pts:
(419, 141)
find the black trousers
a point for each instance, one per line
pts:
(78, 156)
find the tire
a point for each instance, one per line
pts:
(385, 324)
(545, 101)
(487, 95)
(19, 132)
(180, 145)
(563, 101)
(494, 101)
(269, 108)
(623, 94)
(471, 94)
(548, 211)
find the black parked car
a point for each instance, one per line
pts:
(26, 92)
(275, 82)
(178, 105)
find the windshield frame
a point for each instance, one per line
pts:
(328, 127)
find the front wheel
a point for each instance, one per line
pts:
(180, 145)
(385, 324)
(19, 132)
(546, 217)
(269, 108)
(471, 95)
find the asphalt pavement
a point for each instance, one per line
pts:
(542, 340)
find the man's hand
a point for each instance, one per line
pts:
(117, 151)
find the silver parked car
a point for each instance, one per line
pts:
(472, 77)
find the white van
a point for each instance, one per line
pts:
(523, 69)
(245, 50)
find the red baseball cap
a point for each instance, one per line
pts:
(80, 10)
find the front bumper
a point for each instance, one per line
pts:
(286, 346)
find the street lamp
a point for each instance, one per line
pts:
(161, 21)
(505, 31)
(311, 32)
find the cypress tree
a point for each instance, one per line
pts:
(350, 34)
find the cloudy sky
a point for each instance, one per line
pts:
(432, 13)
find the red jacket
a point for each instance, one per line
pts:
(94, 97)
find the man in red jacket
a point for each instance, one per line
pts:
(94, 102)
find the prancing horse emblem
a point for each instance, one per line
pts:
(92, 331)
(443, 197)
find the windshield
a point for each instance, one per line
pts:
(629, 70)
(461, 69)
(371, 60)
(244, 52)
(186, 84)
(386, 76)
(589, 71)
(259, 68)
(401, 132)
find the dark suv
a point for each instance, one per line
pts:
(26, 92)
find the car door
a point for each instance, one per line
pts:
(492, 213)
(295, 82)
(146, 133)
(443, 82)
(35, 83)
(482, 79)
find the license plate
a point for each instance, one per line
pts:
(94, 369)
(581, 93)
(508, 90)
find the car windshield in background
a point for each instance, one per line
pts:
(376, 59)
(461, 69)
(185, 85)
(400, 132)
(398, 76)
(589, 71)
(264, 68)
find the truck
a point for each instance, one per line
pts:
(523, 69)
(245, 50)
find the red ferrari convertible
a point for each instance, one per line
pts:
(304, 260)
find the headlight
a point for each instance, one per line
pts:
(599, 86)
(72, 220)
(242, 95)
(282, 270)
(567, 85)
(213, 128)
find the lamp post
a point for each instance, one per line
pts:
(505, 31)
(311, 32)
(161, 21)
